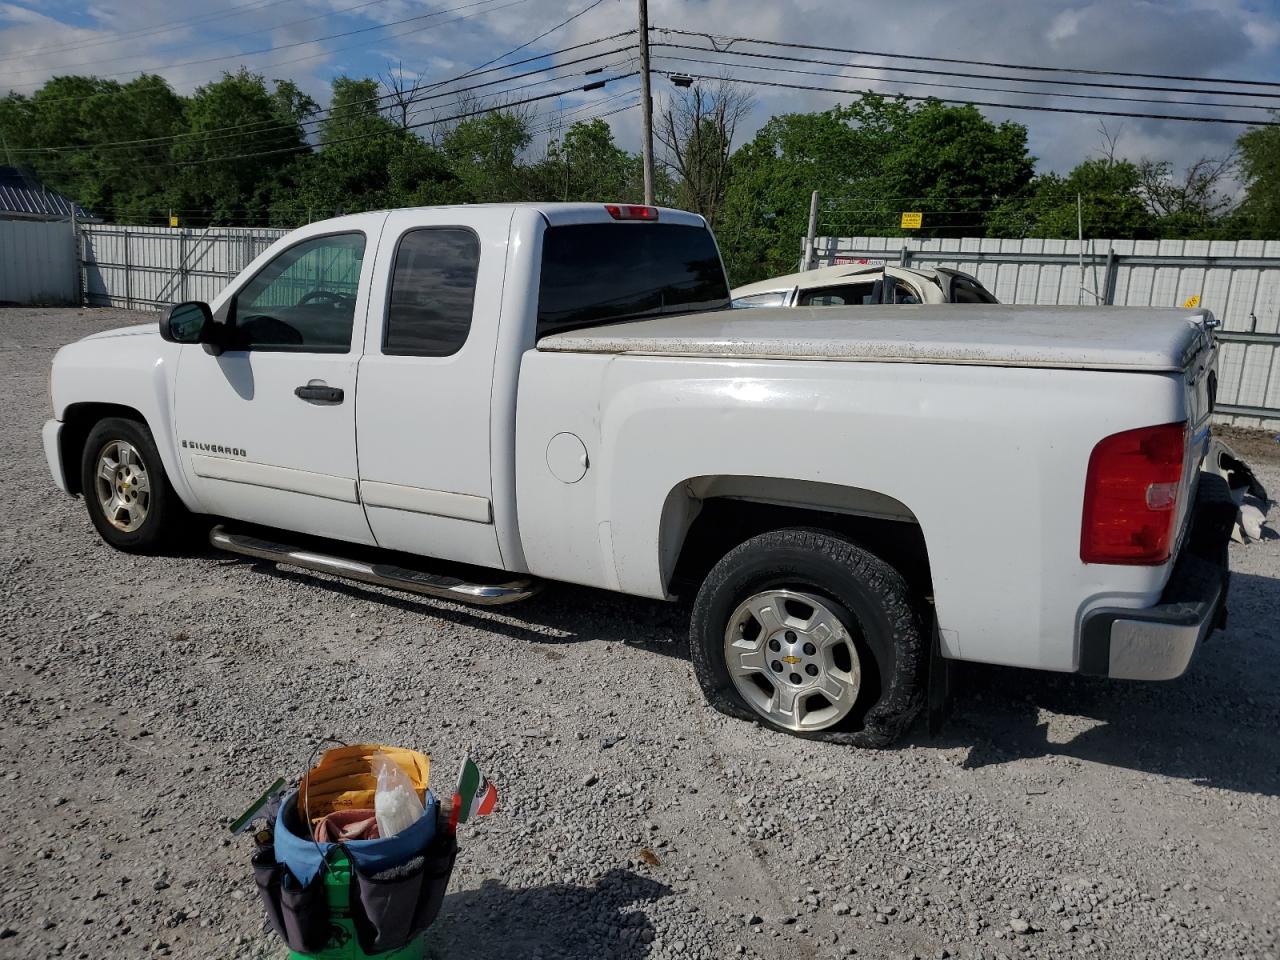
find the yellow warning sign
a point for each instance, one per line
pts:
(173, 221)
(913, 220)
(1193, 301)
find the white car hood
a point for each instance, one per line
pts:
(134, 331)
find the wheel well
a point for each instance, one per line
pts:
(725, 522)
(77, 420)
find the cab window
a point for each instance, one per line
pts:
(849, 294)
(433, 289)
(304, 300)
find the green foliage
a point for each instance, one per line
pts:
(1259, 213)
(238, 150)
(586, 165)
(1110, 204)
(878, 157)
(245, 150)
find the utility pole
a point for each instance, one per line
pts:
(646, 103)
(810, 237)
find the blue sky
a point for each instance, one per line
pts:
(193, 41)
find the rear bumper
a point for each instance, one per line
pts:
(1157, 643)
(51, 434)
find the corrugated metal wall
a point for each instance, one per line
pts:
(38, 262)
(151, 267)
(1239, 280)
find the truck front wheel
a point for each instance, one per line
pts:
(810, 634)
(125, 488)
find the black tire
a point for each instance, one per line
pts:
(868, 595)
(164, 512)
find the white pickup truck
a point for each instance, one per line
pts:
(559, 392)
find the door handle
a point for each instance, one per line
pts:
(319, 393)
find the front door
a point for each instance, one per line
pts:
(267, 429)
(426, 384)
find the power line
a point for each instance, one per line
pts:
(975, 76)
(257, 127)
(366, 136)
(945, 86)
(323, 53)
(166, 27)
(987, 103)
(550, 30)
(720, 38)
(238, 36)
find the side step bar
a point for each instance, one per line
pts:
(382, 575)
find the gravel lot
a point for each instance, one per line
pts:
(146, 701)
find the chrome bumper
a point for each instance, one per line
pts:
(1157, 643)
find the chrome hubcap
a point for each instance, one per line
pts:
(793, 659)
(122, 484)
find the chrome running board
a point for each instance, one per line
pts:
(382, 575)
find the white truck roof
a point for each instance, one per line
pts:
(1098, 338)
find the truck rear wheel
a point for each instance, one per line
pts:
(808, 633)
(126, 490)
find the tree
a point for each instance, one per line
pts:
(696, 131)
(1191, 206)
(240, 147)
(1259, 211)
(1111, 204)
(103, 143)
(484, 153)
(586, 165)
(869, 160)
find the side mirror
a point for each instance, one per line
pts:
(187, 322)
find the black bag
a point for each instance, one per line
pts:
(298, 914)
(390, 908)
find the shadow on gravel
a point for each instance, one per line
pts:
(561, 613)
(558, 921)
(1215, 726)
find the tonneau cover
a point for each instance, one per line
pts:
(1096, 338)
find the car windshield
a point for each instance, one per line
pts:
(597, 273)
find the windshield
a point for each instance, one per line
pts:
(596, 273)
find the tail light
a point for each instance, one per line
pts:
(631, 211)
(1131, 496)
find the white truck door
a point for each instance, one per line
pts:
(266, 430)
(426, 383)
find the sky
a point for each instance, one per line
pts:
(190, 42)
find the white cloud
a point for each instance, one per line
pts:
(1237, 38)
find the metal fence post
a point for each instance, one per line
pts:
(182, 265)
(1109, 277)
(128, 273)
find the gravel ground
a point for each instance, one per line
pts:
(146, 701)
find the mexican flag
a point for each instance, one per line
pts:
(475, 795)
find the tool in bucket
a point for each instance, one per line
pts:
(357, 858)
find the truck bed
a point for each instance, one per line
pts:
(1078, 338)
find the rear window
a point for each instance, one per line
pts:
(597, 273)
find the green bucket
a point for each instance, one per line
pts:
(343, 944)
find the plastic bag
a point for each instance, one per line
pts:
(395, 802)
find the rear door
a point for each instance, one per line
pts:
(267, 429)
(426, 382)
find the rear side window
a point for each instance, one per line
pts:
(851, 294)
(433, 290)
(597, 273)
(775, 298)
(964, 290)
